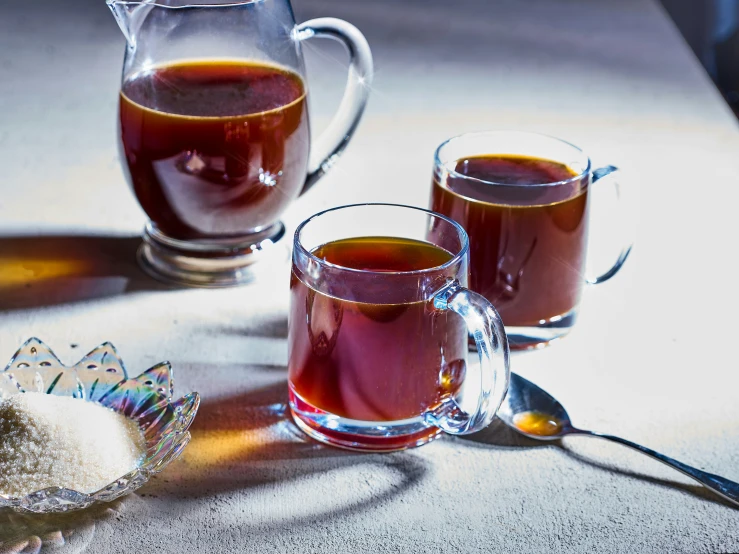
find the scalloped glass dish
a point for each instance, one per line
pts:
(101, 377)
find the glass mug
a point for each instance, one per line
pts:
(523, 199)
(378, 329)
(214, 128)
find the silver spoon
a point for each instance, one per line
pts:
(534, 413)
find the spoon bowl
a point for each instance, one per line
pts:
(528, 408)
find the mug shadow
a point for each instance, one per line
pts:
(46, 270)
(273, 326)
(249, 440)
(73, 531)
(500, 435)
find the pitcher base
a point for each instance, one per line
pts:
(212, 263)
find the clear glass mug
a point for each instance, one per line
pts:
(527, 240)
(214, 129)
(378, 328)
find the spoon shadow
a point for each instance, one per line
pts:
(71, 532)
(697, 490)
(498, 434)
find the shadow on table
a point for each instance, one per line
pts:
(249, 441)
(46, 270)
(696, 489)
(498, 434)
(272, 326)
(73, 532)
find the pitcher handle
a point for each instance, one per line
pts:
(329, 146)
(486, 327)
(598, 174)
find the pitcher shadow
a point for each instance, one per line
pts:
(47, 270)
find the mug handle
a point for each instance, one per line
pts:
(329, 146)
(486, 327)
(598, 174)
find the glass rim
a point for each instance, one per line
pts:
(455, 173)
(185, 5)
(456, 258)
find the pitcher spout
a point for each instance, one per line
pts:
(129, 16)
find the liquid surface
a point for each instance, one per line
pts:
(383, 254)
(214, 148)
(512, 170)
(214, 89)
(527, 242)
(537, 423)
(373, 362)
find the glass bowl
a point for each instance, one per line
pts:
(101, 377)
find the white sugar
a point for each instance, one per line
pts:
(48, 440)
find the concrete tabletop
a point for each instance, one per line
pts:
(652, 357)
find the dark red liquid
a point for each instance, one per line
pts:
(374, 362)
(527, 243)
(214, 148)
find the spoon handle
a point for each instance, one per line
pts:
(723, 487)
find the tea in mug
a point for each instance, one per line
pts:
(527, 241)
(373, 361)
(214, 148)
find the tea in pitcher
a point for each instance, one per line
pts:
(213, 127)
(214, 148)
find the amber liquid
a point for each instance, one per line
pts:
(537, 423)
(214, 148)
(373, 362)
(527, 243)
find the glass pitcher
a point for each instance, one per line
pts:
(214, 129)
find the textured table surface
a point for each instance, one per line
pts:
(652, 357)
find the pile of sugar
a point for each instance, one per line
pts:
(48, 440)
